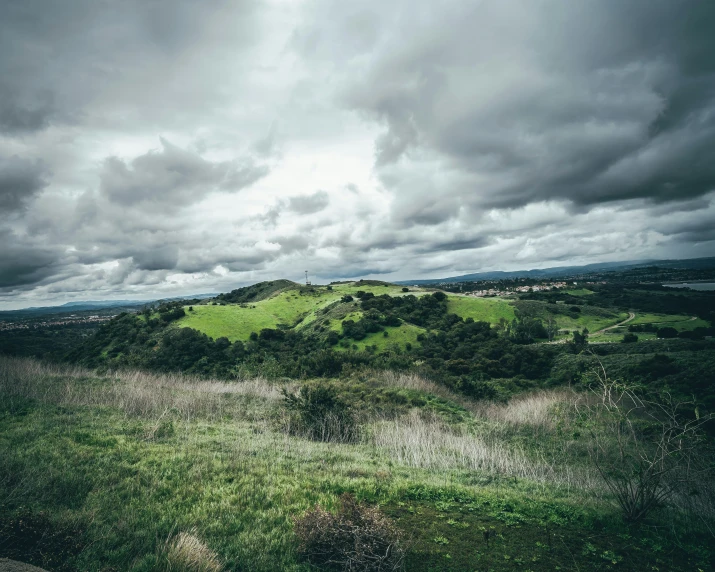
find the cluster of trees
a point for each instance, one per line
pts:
(651, 298)
(666, 332)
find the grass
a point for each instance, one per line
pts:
(579, 292)
(665, 319)
(481, 309)
(145, 466)
(589, 321)
(296, 307)
(400, 336)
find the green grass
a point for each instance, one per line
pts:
(665, 319)
(579, 292)
(481, 309)
(589, 321)
(400, 336)
(287, 309)
(129, 460)
(337, 325)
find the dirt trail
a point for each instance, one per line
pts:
(631, 316)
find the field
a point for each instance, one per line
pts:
(294, 308)
(481, 309)
(592, 323)
(579, 292)
(290, 308)
(103, 470)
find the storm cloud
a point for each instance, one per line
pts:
(157, 148)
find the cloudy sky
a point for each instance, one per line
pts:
(151, 148)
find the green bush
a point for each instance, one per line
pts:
(318, 413)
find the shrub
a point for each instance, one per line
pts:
(629, 338)
(186, 552)
(319, 414)
(357, 538)
(667, 332)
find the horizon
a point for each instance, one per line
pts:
(152, 150)
(324, 281)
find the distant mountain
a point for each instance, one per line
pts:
(568, 271)
(88, 305)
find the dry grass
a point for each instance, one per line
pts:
(186, 552)
(535, 409)
(135, 393)
(429, 443)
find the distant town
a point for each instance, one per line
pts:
(71, 320)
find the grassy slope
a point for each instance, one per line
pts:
(481, 309)
(288, 308)
(579, 292)
(128, 474)
(401, 335)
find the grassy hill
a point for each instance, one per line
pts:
(287, 305)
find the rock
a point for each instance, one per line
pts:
(14, 566)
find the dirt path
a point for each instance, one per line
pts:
(631, 316)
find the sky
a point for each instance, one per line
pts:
(153, 148)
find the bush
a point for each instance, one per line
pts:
(319, 414)
(667, 332)
(629, 338)
(357, 538)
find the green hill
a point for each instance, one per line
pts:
(280, 304)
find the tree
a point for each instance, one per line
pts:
(667, 332)
(629, 338)
(552, 328)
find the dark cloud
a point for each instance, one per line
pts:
(163, 258)
(589, 103)
(23, 264)
(62, 62)
(20, 180)
(443, 137)
(173, 177)
(309, 204)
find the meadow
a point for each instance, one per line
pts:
(293, 307)
(113, 471)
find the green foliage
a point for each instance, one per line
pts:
(318, 413)
(629, 338)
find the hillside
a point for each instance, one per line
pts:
(471, 440)
(116, 470)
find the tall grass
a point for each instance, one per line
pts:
(430, 443)
(136, 393)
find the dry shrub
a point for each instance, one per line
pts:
(359, 538)
(186, 552)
